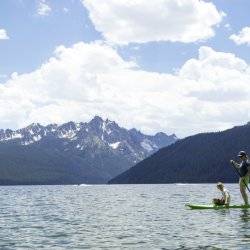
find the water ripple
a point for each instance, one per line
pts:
(119, 217)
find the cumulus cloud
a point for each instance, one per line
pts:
(140, 21)
(3, 34)
(43, 8)
(243, 37)
(218, 76)
(210, 92)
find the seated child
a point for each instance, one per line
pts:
(225, 199)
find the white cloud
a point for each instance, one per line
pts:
(43, 8)
(3, 34)
(208, 93)
(141, 21)
(218, 77)
(243, 37)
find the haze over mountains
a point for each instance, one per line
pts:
(73, 153)
(195, 159)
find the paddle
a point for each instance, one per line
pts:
(237, 171)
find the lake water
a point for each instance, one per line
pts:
(119, 217)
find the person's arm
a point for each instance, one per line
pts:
(227, 199)
(235, 164)
(248, 165)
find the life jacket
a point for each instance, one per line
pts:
(244, 167)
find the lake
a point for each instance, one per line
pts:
(119, 217)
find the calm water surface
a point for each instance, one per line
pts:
(119, 217)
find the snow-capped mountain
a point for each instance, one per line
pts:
(102, 133)
(101, 144)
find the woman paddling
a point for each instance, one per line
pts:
(243, 168)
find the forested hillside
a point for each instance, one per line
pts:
(199, 158)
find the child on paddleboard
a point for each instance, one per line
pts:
(225, 199)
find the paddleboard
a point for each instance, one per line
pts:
(201, 206)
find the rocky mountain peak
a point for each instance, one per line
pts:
(96, 121)
(99, 145)
(101, 133)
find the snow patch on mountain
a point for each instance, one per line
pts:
(37, 138)
(14, 136)
(115, 145)
(146, 144)
(94, 137)
(67, 134)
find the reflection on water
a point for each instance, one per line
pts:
(244, 227)
(245, 215)
(119, 217)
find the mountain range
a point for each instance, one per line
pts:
(200, 158)
(73, 153)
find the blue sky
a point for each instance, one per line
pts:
(34, 37)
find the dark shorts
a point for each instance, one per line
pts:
(219, 201)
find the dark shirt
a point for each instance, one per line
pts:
(244, 168)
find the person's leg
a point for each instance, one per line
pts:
(222, 202)
(243, 188)
(216, 201)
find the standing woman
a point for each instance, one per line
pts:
(243, 167)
